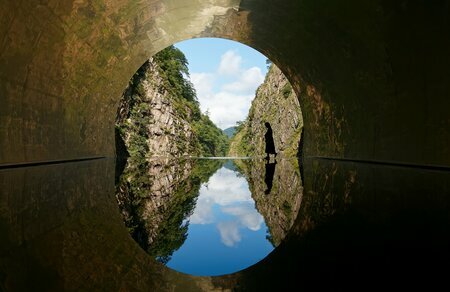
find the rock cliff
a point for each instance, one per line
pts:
(147, 112)
(158, 125)
(159, 114)
(276, 103)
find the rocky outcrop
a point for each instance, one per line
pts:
(276, 103)
(150, 116)
(159, 114)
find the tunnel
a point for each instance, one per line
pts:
(373, 79)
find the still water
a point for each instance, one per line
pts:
(226, 232)
(61, 228)
(209, 216)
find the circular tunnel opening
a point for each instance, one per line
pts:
(198, 186)
(373, 78)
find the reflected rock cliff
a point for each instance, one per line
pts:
(156, 196)
(277, 189)
(159, 201)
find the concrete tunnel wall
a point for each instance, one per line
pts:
(373, 76)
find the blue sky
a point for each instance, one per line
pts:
(225, 75)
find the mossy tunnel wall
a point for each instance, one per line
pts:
(372, 76)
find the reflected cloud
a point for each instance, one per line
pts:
(229, 232)
(227, 195)
(224, 189)
(203, 213)
(247, 216)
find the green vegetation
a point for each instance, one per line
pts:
(173, 65)
(134, 113)
(230, 131)
(287, 90)
(162, 230)
(213, 141)
(133, 105)
(241, 143)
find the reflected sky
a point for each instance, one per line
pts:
(226, 233)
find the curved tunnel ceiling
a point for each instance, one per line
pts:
(372, 77)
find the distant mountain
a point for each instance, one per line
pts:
(230, 131)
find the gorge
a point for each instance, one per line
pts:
(161, 132)
(372, 78)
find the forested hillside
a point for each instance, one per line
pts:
(159, 114)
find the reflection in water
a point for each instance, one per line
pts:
(60, 230)
(268, 178)
(200, 217)
(281, 206)
(226, 232)
(156, 196)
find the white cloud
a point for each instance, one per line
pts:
(230, 63)
(231, 101)
(226, 108)
(203, 84)
(248, 81)
(229, 233)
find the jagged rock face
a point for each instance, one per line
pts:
(276, 103)
(170, 132)
(281, 204)
(167, 129)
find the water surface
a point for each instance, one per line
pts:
(61, 228)
(209, 216)
(226, 232)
